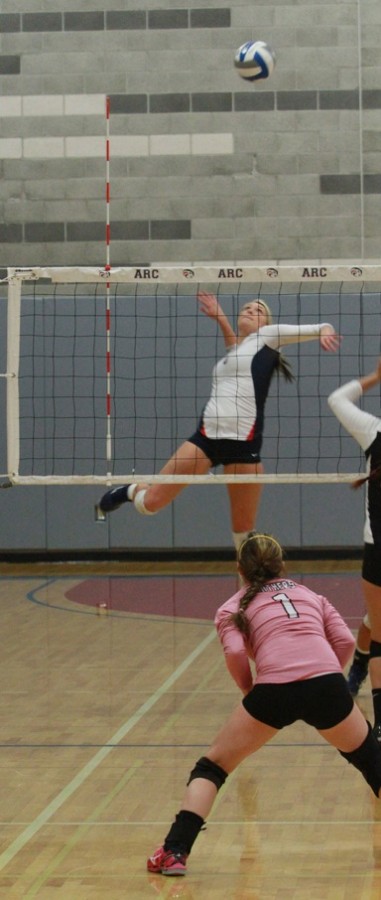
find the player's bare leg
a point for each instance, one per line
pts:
(348, 734)
(244, 500)
(149, 499)
(238, 738)
(356, 741)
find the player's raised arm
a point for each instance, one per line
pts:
(210, 306)
(280, 335)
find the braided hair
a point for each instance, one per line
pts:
(282, 366)
(260, 558)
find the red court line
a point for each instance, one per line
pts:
(198, 596)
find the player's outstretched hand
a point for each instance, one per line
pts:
(209, 304)
(329, 340)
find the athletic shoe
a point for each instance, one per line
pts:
(166, 862)
(356, 675)
(111, 500)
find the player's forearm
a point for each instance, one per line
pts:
(292, 334)
(369, 381)
(240, 671)
(360, 424)
(227, 331)
(210, 306)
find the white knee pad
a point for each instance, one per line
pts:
(238, 538)
(139, 503)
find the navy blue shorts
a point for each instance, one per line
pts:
(322, 702)
(223, 452)
(371, 564)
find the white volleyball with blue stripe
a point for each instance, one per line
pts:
(255, 60)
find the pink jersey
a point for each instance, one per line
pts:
(294, 634)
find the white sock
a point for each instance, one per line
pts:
(139, 504)
(130, 491)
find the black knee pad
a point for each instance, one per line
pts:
(374, 649)
(367, 759)
(205, 768)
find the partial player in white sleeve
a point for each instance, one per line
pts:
(365, 428)
(230, 429)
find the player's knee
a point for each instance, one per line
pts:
(139, 504)
(209, 770)
(374, 649)
(367, 759)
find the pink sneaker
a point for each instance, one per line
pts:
(165, 862)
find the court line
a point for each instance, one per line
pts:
(93, 763)
(121, 615)
(129, 823)
(157, 746)
(126, 616)
(167, 725)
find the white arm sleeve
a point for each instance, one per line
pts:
(361, 425)
(277, 335)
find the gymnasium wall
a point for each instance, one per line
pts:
(203, 167)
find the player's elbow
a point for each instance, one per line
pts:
(332, 401)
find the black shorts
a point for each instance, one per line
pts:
(322, 702)
(371, 564)
(223, 452)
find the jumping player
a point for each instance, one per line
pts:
(230, 430)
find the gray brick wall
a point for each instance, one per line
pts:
(203, 165)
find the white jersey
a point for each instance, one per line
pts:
(241, 381)
(366, 430)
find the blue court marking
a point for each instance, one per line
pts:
(33, 599)
(119, 614)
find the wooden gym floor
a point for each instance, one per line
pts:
(113, 684)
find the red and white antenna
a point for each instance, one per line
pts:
(108, 311)
(107, 183)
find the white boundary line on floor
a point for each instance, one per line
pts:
(93, 763)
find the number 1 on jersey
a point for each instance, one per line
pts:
(287, 604)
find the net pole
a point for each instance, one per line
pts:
(108, 305)
(13, 364)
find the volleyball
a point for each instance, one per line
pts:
(254, 60)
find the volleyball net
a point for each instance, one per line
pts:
(108, 370)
